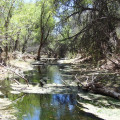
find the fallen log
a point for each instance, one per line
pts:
(98, 88)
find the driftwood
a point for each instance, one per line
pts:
(117, 65)
(15, 73)
(98, 88)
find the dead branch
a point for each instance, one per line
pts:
(15, 73)
(97, 88)
(20, 97)
(16, 81)
(78, 81)
(116, 64)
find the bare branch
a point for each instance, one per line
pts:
(15, 73)
(78, 80)
(85, 28)
(77, 12)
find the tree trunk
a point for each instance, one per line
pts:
(17, 41)
(39, 50)
(24, 46)
(100, 89)
(6, 28)
(26, 40)
(6, 38)
(16, 45)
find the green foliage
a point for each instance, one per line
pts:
(87, 26)
(22, 21)
(96, 22)
(44, 18)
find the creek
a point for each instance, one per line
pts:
(60, 106)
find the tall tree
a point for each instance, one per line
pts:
(6, 13)
(21, 25)
(45, 24)
(97, 21)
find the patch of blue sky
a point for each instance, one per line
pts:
(29, 1)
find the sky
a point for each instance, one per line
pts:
(27, 1)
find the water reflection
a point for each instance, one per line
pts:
(47, 107)
(50, 107)
(36, 115)
(44, 75)
(64, 99)
(54, 74)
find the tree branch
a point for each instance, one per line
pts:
(15, 73)
(85, 28)
(83, 9)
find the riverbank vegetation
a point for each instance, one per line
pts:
(78, 31)
(61, 28)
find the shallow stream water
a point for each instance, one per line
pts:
(51, 106)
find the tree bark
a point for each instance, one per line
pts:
(6, 28)
(100, 89)
(43, 28)
(26, 41)
(17, 40)
(39, 51)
